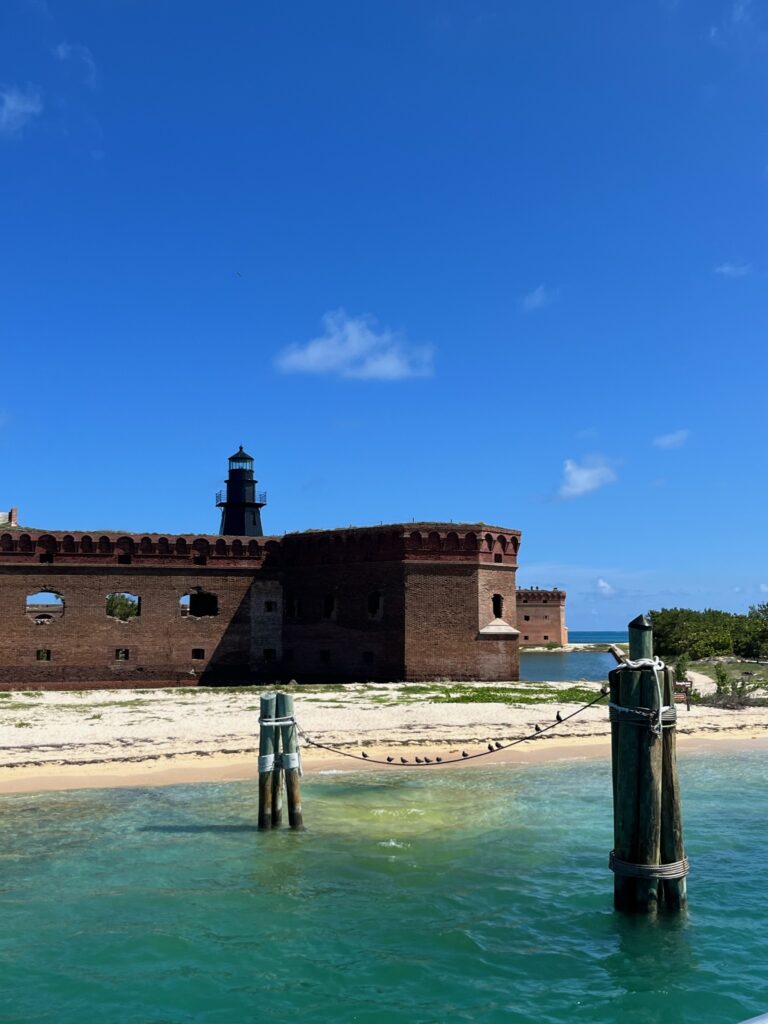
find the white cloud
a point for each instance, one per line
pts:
(604, 587)
(76, 51)
(733, 269)
(674, 440)
(581, 478)
(539, 298)
(353, 347)
(17, 106)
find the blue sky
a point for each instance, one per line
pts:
(499, 261)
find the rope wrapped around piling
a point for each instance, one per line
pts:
(678, 869)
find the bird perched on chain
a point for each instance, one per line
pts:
(604, 690)
(403, 760)
(418, 760)
(427, 760)
(439, 760)
(537, 727)
(490, 747)
(498, 745)
(464, 753)
(364, 754)
(390, 760)
(558, 717)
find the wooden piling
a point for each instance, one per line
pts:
(266, 758)
(675, 890)
(290, 744)
(277, 784)
(647, 824)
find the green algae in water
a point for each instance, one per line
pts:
(445, 895)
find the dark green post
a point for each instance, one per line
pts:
(266, 758)
(290, 759)
(646, 791)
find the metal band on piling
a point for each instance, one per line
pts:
(679, 869)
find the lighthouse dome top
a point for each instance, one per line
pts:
(241, 456)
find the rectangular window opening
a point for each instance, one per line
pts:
(43, 654)
(122, 654)
(198, 654)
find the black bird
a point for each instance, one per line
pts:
(419, 761)
(537, 727)
(497, 745)
(558, 717)
(427, 760)
(464, 753)
(439, 760)
(604, 690)
(490, 747)
(390, 760)
(403, 760)
(364, 754)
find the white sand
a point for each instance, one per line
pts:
(120, 736)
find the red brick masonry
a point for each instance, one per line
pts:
(406, 601)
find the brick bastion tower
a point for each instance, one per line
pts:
(541, 617)
(413, 601)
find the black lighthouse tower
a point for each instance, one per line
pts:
(241, 504)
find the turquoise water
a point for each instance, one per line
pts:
(564, 666)
(598, 636)
(468, 895)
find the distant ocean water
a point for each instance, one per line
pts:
(467, 895)
(581, 636)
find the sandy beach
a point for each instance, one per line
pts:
(62, 740)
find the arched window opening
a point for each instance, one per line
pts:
(181, 546)
(68, 544)
(434, 541)
(123, 606)
(375, 605)
(104, 546)
(489, 541)
(25, 542)
(6, 542)
(470, 542)
(86, 545)
(498, 606)
(416, 539)
(48, 603)
(199, 604)
(452, 541)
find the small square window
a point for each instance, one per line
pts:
(270, 606)
(325, 657)
(525, 638)
(269, 654)
(546, 637)
(122, 654)
(497, 558)
(198, 654)
(123, 559)
(527, 618)
(43, 654)
(47, 557)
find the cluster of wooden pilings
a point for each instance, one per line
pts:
(278, 760)
(648, 859)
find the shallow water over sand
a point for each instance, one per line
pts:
(467, 895)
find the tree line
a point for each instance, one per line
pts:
(711, 633)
